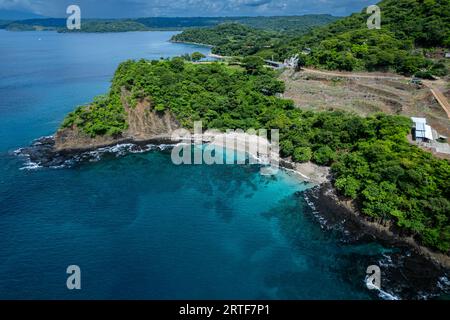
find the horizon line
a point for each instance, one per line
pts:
(185, 17)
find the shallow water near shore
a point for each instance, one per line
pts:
(139, 226)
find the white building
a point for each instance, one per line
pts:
(421, 131)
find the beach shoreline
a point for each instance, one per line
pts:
(329, 207)
(44, 152)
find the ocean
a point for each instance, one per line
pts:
(138, 226)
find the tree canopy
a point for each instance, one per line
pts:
(408, 29)
(372, 161)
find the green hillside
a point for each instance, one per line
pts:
(374, 164)
(230, 39)
(409, 28)
(252, 35)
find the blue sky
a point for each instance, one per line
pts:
(144, 8)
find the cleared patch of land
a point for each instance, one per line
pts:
(364, 94)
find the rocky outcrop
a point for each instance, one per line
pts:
(144, 124)
(337, 209)
(409, 271)
(73, 139)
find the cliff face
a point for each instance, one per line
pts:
(144, 124)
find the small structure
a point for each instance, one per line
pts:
(292, 62)
(447, 55)
(275, 64)
(421, 131)
(416, 81)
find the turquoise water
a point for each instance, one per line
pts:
(137, 225)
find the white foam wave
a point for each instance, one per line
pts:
(30, 165)
(381, 293)
(163, 147)
(386, 295)
(119, 150)
(443, 283)
(386, 261)
(322, 221)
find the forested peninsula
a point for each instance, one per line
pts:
(371, 160)
(388, 180)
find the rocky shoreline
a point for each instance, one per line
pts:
(412, 272)
(43, 153)
(47, 151)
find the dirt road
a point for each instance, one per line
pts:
(439, 96)
(432, 85)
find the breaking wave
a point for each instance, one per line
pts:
(41, 155)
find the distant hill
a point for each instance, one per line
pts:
(252, 35)
(422, 23)
(288, 24)
(291, 23)
(276, 23)
(409, 28)
(410, 31)
(36, 24)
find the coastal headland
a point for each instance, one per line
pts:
(150, 100)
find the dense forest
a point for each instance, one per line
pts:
(373, 163)
(231, 39)
(108, 26)
(407, 26)
(408, 29)
(293, 25)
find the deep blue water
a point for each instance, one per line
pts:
(139, 226)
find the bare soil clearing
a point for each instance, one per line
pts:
(368, 93)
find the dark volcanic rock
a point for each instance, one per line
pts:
(41, 153)
(406, 273)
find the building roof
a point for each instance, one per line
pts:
(275, 63)
(420, 126)
(424, 131)
(419, 120)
